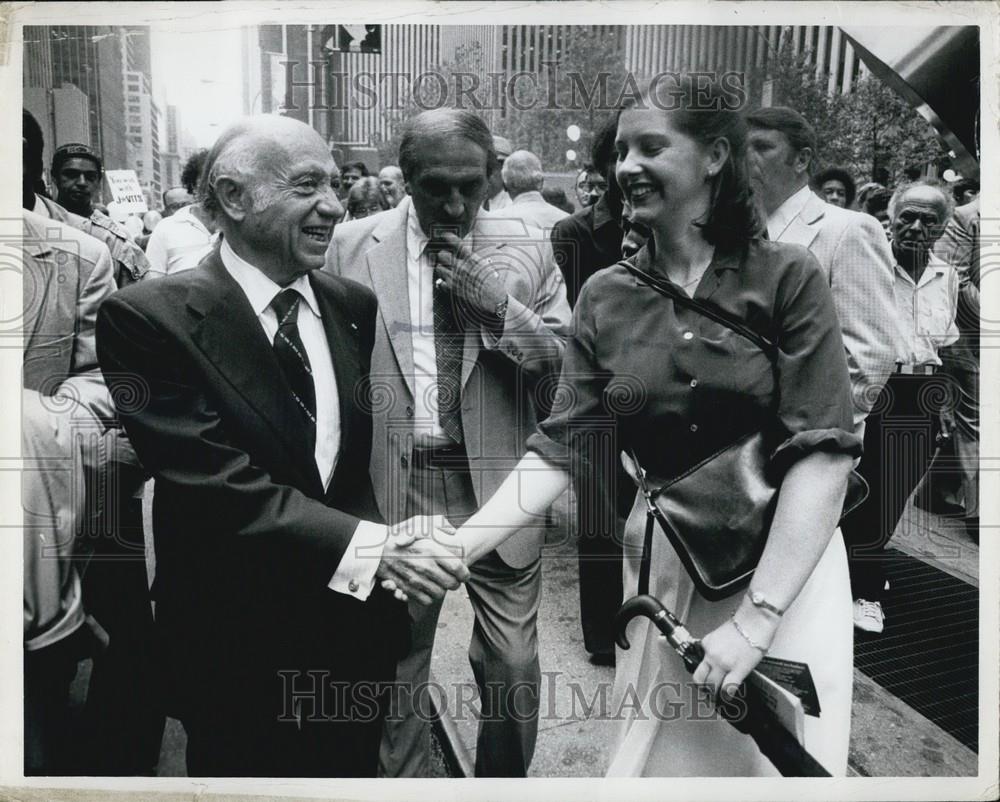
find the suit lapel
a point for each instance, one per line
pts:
(387, 267)
(803, 228)
(231, 337)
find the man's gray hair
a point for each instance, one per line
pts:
(236, 155)
(444, 122)
(522, 172)
(947, 199)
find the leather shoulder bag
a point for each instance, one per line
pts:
(717, 513)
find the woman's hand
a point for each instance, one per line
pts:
(729, 658)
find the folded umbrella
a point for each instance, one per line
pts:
(750, 714)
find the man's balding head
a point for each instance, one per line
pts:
(392, 184)
(267, 182)
(522, 172)
(439, 125)
(918, 213)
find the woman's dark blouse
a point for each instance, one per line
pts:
(676, 386)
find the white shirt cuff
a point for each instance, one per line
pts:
(355, 576)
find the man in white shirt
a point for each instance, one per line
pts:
(523, 180)
(180, 241)
(916, 406)
(252, 370)
(187, 235)
(472, 319)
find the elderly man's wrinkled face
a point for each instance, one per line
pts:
(449, 185)
(294, 207)
(917, 222)
(391, 184)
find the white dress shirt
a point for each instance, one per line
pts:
(355, 575)
(178, 243)
(927, 311)
(788, 211)
(427, 429)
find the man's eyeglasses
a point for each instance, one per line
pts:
(599, 186)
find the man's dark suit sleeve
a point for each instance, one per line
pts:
(182, 441)
(567, 257)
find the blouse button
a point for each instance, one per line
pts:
(694, 382)
(694, 427)
(688, 335)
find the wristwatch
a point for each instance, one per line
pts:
(757, 600)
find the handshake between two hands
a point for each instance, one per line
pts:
(423, 558)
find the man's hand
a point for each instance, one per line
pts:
(421, 561)
(472, 279)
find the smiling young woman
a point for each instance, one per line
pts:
(682, 166)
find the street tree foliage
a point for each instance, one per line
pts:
(870, 127)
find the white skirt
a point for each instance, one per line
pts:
(667, 729)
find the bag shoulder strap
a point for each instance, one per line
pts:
(668, 290)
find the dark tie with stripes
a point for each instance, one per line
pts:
(293, 359)
(448, 343)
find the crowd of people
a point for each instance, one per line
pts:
(356, 392)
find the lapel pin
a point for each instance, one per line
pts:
(354, 326)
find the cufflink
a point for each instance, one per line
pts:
(352, 586)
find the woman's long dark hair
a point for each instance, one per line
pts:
(707, 113)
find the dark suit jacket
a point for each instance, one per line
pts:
(246, 538)
(585, 242)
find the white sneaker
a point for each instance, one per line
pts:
(868, 616)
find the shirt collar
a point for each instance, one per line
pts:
(186, 215)
(416, 239)
(936, 268)
(788, 211)
(531, 196)
(258, 288)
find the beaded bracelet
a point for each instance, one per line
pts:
(746, 637)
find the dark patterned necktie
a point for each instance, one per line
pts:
(448, 343)
(292, 357)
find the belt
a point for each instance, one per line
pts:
(452, 456)
(916, 370)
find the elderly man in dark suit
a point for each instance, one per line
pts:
(251, 419)
(472, 315)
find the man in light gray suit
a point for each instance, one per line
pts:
(851, 248)
(66, 276)
(523, 180)
(472, 315)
